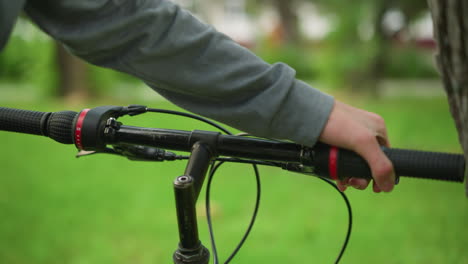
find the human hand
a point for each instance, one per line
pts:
(362, 132)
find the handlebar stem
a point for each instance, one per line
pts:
(186, 190)
(198, 164)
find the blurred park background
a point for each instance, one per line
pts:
(378, 55)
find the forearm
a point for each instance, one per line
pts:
(189, 63)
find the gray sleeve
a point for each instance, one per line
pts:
(189, 63)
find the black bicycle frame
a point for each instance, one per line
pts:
(204, 147)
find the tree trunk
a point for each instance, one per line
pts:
(378, 64)
(289, 21)
(450, 18)
(74, 83)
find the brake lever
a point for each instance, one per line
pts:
(299, 168)
(85, 153)
(135, 153)
(144, 153)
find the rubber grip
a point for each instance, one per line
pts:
(407, 163)
(60, 126)
(427, 165)
(23, 121)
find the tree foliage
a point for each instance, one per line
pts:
(361, 42)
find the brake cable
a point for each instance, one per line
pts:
(163, 155)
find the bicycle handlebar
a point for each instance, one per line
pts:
(408, 163)
(93, 129)
(56, 125)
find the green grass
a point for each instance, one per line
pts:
(104, 209)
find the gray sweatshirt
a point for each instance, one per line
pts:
(184, 60)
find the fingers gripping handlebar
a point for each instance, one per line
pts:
(339, 164)
(93, 129)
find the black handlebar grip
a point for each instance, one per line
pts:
(57, 125)
(341, 164)
(427, 165)
(60, 126)
(23, 121)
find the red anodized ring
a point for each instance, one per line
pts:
(79, 127)
(333, 163)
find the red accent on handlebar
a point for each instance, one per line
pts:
(78, 128)
(333, 163)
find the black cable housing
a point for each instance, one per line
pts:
(350, 219)
(221, 161)
(213, 170)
